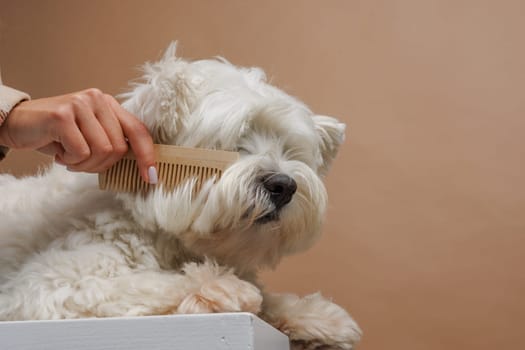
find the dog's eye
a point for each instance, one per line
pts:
(242, 150)
(299, 154)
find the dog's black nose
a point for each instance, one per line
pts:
(281, 188)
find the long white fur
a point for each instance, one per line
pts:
(68, 250)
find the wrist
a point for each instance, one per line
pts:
(5, 137)
(9, 99)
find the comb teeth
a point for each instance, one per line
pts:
(175, 165)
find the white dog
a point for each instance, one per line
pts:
(69, 250)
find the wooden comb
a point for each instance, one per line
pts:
(174, 164)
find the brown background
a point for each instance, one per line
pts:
(425, 239)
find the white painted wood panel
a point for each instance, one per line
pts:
(229, 331)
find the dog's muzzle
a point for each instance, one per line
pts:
(281, 189)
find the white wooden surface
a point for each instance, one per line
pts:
(229, 331)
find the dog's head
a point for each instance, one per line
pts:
(269, 203)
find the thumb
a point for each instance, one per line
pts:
(53, 149)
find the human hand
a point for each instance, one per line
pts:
(86, 131)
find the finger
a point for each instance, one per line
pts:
(111, 125)
(75, 147)
(95, 136)
(53, 149)
(140, 141)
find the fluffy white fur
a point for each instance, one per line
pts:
(68, 250)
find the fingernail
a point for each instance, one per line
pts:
(152, 175)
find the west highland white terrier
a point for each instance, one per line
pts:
(69, 250)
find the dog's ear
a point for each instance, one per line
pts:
(164, 96)
(332, 135)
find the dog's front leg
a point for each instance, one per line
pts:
(76, 284)
(218, 289)
(198, 288)
(312, 322)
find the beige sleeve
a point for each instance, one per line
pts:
(9, 98)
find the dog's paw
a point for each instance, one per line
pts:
(311, 345)
(219, 290)
(223, 295)
(314, 322)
